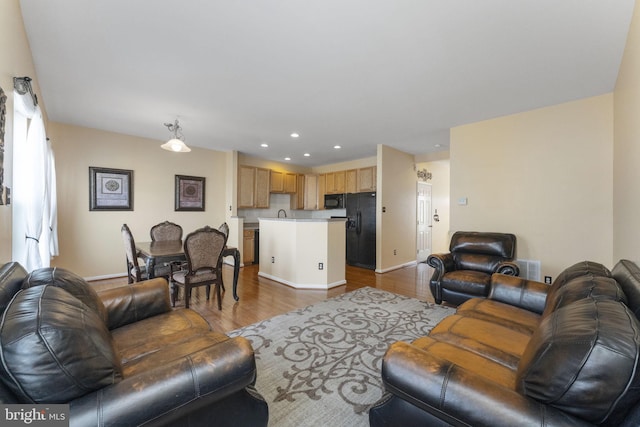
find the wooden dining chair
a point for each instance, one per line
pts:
(224, 228)
(135, 272)
(166, 231)
(203, 251)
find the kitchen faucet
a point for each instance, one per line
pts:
(283, 211)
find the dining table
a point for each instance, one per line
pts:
(159, 252)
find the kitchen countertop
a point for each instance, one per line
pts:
(303, 219)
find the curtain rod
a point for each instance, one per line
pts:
(23, 85)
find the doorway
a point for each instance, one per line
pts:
(424, 226)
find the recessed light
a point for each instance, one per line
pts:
(438, 145)
(294, 135)
(307, 154)
(264, 145)
(337, 147)
(287, 158)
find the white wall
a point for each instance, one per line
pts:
(545, 175)
(626, 153)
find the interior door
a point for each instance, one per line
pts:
(423, 231)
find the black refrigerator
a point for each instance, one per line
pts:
(361, 229)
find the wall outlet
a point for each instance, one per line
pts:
(273, 259)
(320, 266)
(395, 252)
(547, 280)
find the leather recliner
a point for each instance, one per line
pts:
(465, 272)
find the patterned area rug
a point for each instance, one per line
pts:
(320, 365)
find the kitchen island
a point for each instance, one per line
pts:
(303, 253)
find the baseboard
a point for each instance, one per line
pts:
(105, 277)
(302, 285)
(397, 267)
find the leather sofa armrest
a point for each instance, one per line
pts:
(509, 268)
(517, 291)
(442, 263)
(131, 303)
(170, 392)
(460, 397)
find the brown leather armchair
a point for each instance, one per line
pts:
(465, 272)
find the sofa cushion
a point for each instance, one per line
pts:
(501, 245)
(467, 282)
(70, 282)
(53, 348)
(588, 286)
(582, 360)
(514, 318)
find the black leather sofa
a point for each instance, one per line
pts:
(529, 354)
(122, 357)
(465, 271)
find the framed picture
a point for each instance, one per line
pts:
(110, 189)
(189, 193)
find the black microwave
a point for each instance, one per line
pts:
(334, 201)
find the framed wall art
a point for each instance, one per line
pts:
(110, 189)
(189, 193)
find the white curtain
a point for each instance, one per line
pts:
(52, 204)
(34, 186)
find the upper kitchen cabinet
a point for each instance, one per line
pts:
(262, 187)
(283, 182)
(253, 187)
(367, 179)
(322, 185)
(335, 182)
(351, 181)
(298, 198)
(311, 192)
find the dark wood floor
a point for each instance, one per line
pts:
(262, 298)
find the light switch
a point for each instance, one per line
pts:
(462, 201)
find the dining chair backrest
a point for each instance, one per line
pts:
(133, 269)
(203, 249)
(166, 231)
(224, 227)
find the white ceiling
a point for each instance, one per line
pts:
(351, 72)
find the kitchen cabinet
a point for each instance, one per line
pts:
(351, 181)
(248, 246)
(253, 187)
(321, 191)
(311, 192)
(335, 182)
(367, 179)
(262, 187)
(283, 182)
(298, 198)
(277, 182)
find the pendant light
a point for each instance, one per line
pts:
(175, 144)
